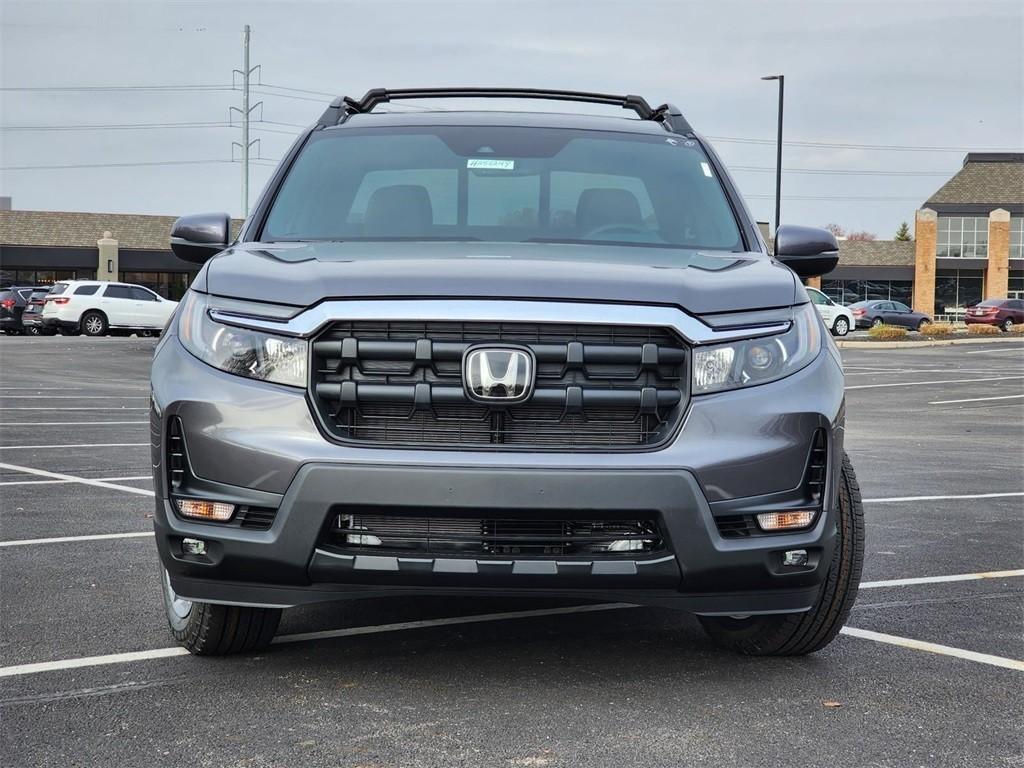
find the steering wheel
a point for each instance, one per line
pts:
(616, 229)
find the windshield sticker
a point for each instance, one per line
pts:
(707, 169)
(490, 164)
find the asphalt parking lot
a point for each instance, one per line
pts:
(928, 673)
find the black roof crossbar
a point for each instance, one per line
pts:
(344, 106)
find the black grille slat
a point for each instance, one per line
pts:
(597, 386)
(484, 536)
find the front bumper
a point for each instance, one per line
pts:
(258, 444)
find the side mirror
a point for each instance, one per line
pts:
(197, 237)
(808, 251)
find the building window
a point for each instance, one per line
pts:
(43, 276)
(962, 237)
(170, 285)
(1017, 237)
(957, 289)
(1015, 288)
(849, 291)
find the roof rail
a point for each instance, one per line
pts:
(344, 106)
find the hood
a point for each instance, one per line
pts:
(302, 274)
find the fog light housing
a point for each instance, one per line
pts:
(199, 509)
(785, 521)
(193, 546)
(795, 557)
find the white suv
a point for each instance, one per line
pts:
(94, 307)
(838, 319)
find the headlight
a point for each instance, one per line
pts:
(240, 351)
(758, 361)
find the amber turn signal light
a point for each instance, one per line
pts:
(217, 511)
(785, 521)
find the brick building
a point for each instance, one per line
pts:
(968, 245)
(41, 247)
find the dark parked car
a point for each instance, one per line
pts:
(12, 304)
(1002, 312)
(877, 312)
(32, 316)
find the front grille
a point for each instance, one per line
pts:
(597, 386)
(495, 536)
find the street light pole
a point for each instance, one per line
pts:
(778, 147)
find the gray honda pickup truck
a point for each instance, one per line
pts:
(508, 353)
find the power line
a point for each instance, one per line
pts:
(849, 145)
(115, 126)
(836, 171)
(110, 165)
(94, 88)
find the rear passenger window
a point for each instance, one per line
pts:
(86, 290)
(118, 292)
(141, 294)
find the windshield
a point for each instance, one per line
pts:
(502, 184)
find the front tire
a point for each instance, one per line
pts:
(841, 327)
(921, 325)
(796, 634)
(205, 629)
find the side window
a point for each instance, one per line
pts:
(118, 292)
(900, 307)
(817, 298)
(141, 294)
(86, 290)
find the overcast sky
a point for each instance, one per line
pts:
(911, 75)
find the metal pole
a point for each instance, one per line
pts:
(245, 125)
(778, 149)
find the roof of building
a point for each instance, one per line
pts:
(876, 253)
(62, 229)
(995, 178)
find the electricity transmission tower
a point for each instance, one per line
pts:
(245, 112)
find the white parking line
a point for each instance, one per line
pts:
(161, 653)
(944, 498)
(58, 482)
(74, 479)
(74, 397)
(67, 423)
(975, 399)
(994, 351)
(941, 579)
(72, 445)
(72, 539)
(944, 650)
(929, 383)
(85, 408)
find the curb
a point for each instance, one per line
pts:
(917, 344)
